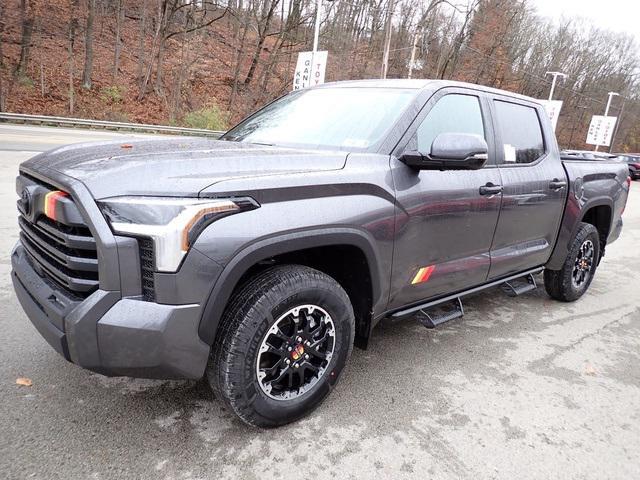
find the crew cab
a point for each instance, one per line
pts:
(260, 259)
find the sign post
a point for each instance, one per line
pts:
(310, 69)
(606, 114)
(601, 130)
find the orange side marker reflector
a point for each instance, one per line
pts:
(50, 201)
(423, 274)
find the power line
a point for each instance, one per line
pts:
(542, 79)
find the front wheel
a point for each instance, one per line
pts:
(573, 279)
(283, 341)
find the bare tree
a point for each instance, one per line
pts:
(170, 24)
(73, 28)
(2, 27)
(118, 42)
(88, 45)
(142, 35)
(263, 23)
(27, 17)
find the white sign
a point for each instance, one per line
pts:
(307, 75)
(553, 108)
(417, 64)
(601, 130)
(509, 153)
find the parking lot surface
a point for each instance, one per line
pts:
(519, 388)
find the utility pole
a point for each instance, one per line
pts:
(413, 53)
(606, 110)
(387, 40)
(553, 82)
(615, 130)
(316, 35)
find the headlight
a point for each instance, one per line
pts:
(173, 224)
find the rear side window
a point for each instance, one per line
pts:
(521, 132)
(451, 114)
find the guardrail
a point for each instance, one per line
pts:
(83, 123)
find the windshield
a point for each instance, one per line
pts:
(343, 118)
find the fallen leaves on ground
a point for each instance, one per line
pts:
(25, 382)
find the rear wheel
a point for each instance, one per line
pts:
(573, 280)
(284, 339)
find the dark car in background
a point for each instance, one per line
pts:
(633, 160)
(585, 155)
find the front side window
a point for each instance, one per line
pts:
(451, 114)
(351, 118)
(521, 132)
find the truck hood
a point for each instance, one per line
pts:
(175, 166)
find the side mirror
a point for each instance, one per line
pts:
(450, 151)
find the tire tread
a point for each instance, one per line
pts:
(557, 283)
(267, 287)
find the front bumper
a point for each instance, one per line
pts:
(111, 334)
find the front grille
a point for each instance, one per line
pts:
(147, 266)
(64, 253)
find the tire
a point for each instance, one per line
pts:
(573, 279)
(290, 296)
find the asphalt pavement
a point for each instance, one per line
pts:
(525, 388)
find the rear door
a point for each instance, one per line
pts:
(534, 187)
(444, 225)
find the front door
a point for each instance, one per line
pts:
(444, 225)
(534, 189)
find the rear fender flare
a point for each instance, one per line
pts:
(570, 227)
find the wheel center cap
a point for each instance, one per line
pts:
(297, 352)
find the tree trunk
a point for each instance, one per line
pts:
(43, 90)
(25, 40)
(73, 26)
(116, 52)
(159, 71)
(156, 41)
(143, 28)
(262, 37)
(163, 22)
(88, 45)
(240, 53)
(2, 95)
(2, 25)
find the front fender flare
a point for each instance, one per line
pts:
(276, 245)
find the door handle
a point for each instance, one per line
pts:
(556, 184)
(490, 189)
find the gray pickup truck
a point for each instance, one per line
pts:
(258, 260)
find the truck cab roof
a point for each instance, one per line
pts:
(422, 84)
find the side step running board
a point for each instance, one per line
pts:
(420, 308)
(439, 314)
(518, 286)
